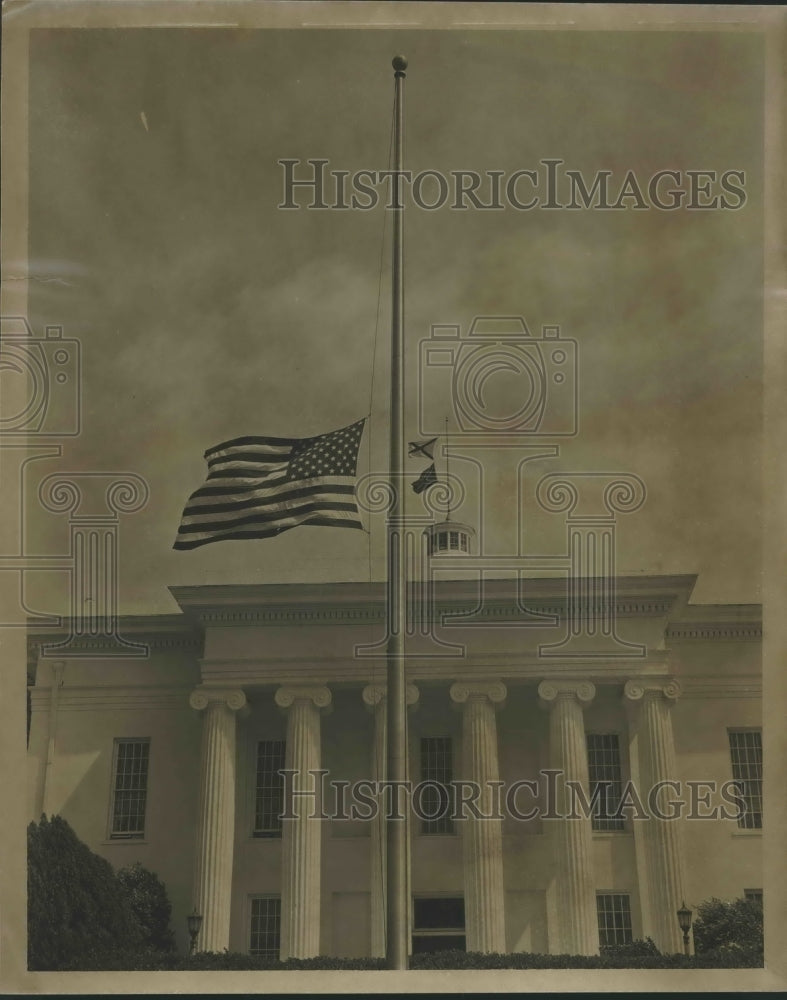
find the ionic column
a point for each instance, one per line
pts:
(650, 702)
(216, 830)
(301, 835)
(575, 884)
(374, 696)
(482, 839)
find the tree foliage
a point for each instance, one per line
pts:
(75, 911)
(80, 913)
(735, 926)
(150, 906)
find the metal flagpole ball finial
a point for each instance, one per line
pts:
(399, 63)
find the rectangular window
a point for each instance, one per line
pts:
(754, 895)
(746, 754)
(437, 799)
(269, 789)
(438, 924)
(265, 934)
(605, 775)
(129, 789)
(614, 918)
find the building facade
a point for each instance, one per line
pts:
(169, 753)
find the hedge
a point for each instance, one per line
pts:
(441, 960)
(84, 916)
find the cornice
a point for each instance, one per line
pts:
(95, 699)
(360, 602)
(157, 632)
(443, 613)
(717, 622)
(265, 593)
(731, 686)
(710, 631)
(524, 669)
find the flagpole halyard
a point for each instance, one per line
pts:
(396, 764)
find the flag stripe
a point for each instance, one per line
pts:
(271, 517)
(290, 521)
(242, 442)
(247, 471)
(230, 489)
(195, 543)
(269, 497)
(254, 458)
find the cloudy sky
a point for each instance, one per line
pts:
(204, 312)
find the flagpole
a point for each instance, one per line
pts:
(396, 946)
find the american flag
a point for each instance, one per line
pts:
(260, 486)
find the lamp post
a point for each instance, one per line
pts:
(194, 920)
(684, 919)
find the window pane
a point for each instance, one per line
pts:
(604, 772)
(265, 927)
(746, 755)
(438, 942)
(437, 766)
(129, 788)
(269, 793)
(439, 913)
(438, 924)
(614, 918)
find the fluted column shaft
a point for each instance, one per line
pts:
(216, 830)
(575, 883)
(302, 834)
(482, 839)
(374, 696)
(662, 840)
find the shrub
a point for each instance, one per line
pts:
(82, 915)
(734, 926)
(634, 949)
(147, 898)
(649, 958)
(75, 912)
